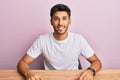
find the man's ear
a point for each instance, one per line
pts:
(51, 21)
(70, 21)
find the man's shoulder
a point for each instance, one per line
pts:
(44, 36)
(75, 34)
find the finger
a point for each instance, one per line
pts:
(85, 78)
(77, 77)
(37, 77)
(41, 78)
(82, 76)
(32, 78)
(90, 78)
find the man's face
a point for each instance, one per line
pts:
(60, 22)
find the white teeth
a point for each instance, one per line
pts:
(61, 28)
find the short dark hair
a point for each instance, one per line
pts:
(60, 7)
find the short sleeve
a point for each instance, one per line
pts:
(86, 49)
(35, 50)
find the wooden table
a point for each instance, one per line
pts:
(111, 74)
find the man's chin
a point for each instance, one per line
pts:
(61, 33)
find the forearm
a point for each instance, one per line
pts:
(88, 73)
(23, 68)
(96, 65)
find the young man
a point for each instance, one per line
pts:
(61, 49)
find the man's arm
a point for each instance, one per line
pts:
(23, 68)
(23, 64)
(95, 63)
(88, 74)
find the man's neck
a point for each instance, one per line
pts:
(60, 36)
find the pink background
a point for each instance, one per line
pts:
(22, 21)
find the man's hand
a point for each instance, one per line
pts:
(33, 76)
(85, 75)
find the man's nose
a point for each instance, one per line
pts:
(60, 22)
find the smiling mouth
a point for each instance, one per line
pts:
(61, 28)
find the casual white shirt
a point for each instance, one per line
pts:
(61, 54)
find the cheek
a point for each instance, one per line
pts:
(54, 23)
(67, 23)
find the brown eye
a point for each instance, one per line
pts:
(65, 18)
(55, 18)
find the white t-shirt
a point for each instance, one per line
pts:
(61, 55)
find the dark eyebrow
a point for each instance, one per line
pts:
(58, 17)
(65, 17)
